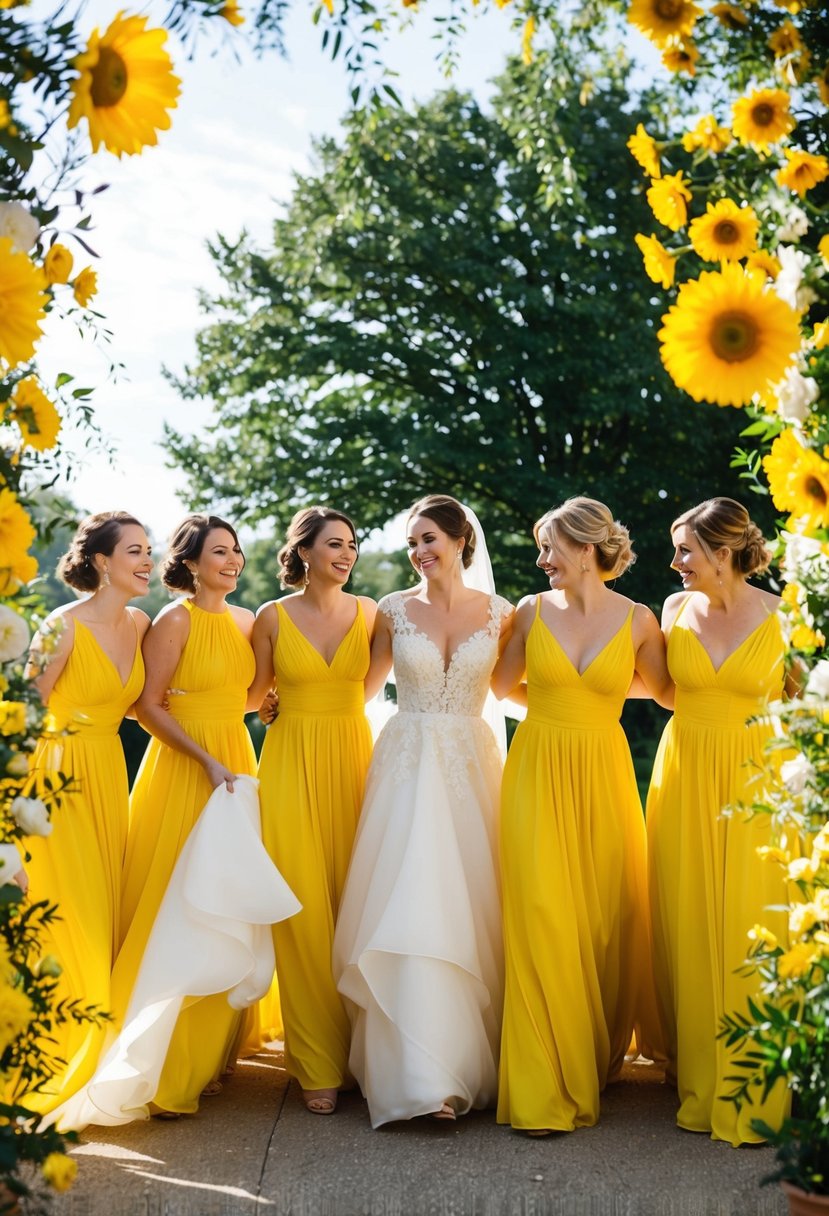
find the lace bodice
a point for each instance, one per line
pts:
(422, 684)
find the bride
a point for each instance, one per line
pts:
(417, 949)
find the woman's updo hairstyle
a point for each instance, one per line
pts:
(96, 534)
(724, 523)
(585, 521)
(186, 545)
(303, 530)
(450, 517)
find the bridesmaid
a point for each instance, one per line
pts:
(91, 678)
(199, 661)
(572, 833)
(708, 886)
(315, 644)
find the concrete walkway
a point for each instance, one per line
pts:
(254, 1151)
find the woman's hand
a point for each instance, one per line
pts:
(269, 709)
(218, 773)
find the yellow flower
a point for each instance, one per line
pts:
(785, 40)
(798, 480)
(34, 413)
(5, 115)
(767, 852)
(232, 14)
(125, 86)
(659, 263)
(681, 57)
(22, 304)
(661, 20)
(730, 16)
(725, 233)
(791, 594)
(645, 151)
(823, 84)
(820, 903)
(802, 918)
(820, 336)
(85, 286)
(804, 638)
(12, 717)
(803, 170)
(823, 248)
(797, 961)
(727, 337)
(16, 537)
(668, 198)
(59, 1171)
(801, 870)
(820, 846)
(763, 937)
(57, 265)
(708, 135)
(15, 1014)
(762, 118)
(527, 41)
(764, 263)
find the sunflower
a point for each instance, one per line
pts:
(762, 118)
(22, 304)
(660, 265)
(764, 263)
(125, 87)
(85, 286)
(661, 20)
(707, 135)
(785, 40)
(645, 151)
(34, 413)
(668, 198)
(798, 481)
(729, 15)
(57, 265)
(681, 57)
(803, 171)
(725, 233)
(726, 337)
(16, 536)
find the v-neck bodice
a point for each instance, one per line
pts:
(89, 695)
(309, 685)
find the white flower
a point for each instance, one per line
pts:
(800, 551)
(795, 393)
(14, 634)
(817, 684)
(19, 226)
(11, 863)
(797, 774)
(795, 225)
(789, 284)
(31, 816)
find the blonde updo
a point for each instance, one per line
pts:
(450, 517)
(96, 534)
(724, 523)
(303, 530)
(585, 521)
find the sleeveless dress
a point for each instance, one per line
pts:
(417, 952)
(708, 886)
(209, 692)
(312, 773)
(575, 888)
(79, 865)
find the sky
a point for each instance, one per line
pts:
(239, 134)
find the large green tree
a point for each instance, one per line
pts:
(427, 319)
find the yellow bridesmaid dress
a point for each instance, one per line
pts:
(312, 774)
(575, 888)
(708, 885)
(79, 865)
(209, 692)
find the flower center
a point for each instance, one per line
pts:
(816, 490)
(109, 78)
(734, 336)
(669, 10)
(726, 232)
(763, 114)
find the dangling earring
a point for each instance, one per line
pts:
(584, 568)
(196, 582)
(460, 552)
(306, 567)
(719, 572)
(105, 577)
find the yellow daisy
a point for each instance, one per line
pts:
(57, 265)
(645, 151)
(661, 20)
(527, 37)
(16, 537)
(22, 304)
(660, 265)
(785, 40)
(762, 118)
(726, 233)
(126, 86)
(707, 135)
(798, 480)
(763, 263)
(85, 286)
(668, 198)
(803, 171)
(35, 414)
(729, 15)
(727, 337)
(681, 57)
(232, 14)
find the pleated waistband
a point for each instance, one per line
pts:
(716, 708)
(210, 705)
(332, 700)
(571, 708)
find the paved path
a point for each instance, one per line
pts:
(254, 1151)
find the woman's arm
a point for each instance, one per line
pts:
(263, 639)
(142, 624)
(651, 662)
(50, 649)
(508, 673)
(381, 655)
(163, 648)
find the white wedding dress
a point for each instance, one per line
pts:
(417, 949)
